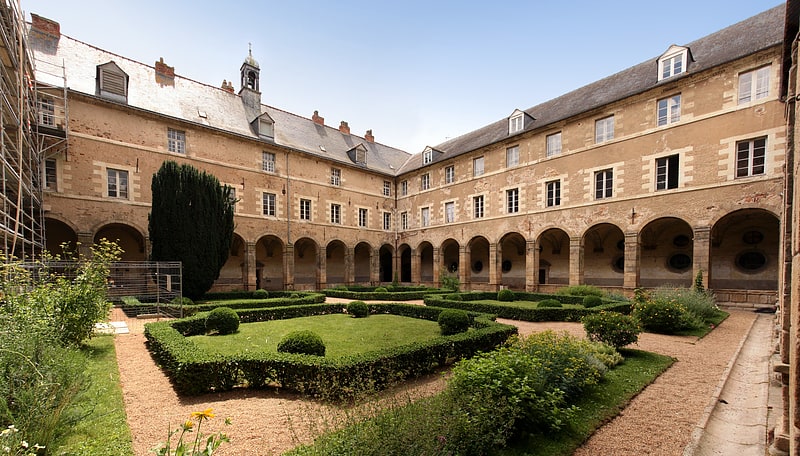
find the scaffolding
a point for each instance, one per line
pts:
(21, 216)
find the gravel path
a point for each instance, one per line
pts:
(659, 421)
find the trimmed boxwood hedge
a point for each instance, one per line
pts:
(275, 299)
(516, 312)
(392, 293)
(194, 371)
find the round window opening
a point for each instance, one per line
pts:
(751, 261)
(619, 264)
(681, 240)
(752, 237)
(477, 266)
(680, 262)
(453, 267)
(506, 265)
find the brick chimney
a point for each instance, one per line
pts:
(227, 86)
(164, 70)
(319, 120)
(368, 136)
(344, 128)
(44, 25)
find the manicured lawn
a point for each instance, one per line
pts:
(343, 335)
(104, 430)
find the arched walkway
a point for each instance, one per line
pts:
(306, 263)
(604, 255)
(405, 263)
(233, 274)
(362, 257)
(58, 233)
(129, 239)
(270, 274)
(479, 260)
(553, 257)
(512, 264)
(335, 269)
(666, 252)
(386, 261)
(745, 251)
(426, 262)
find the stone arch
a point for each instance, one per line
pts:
(553, 267)
(449, 257)
(666, 253)
(426, 265)
(604, 255)
(130, 239)
(306, 262)
(233, 274)
(478, 259)
(513, 261)
(335, 268)
(362, 262)
(58, 232)
(405, 263)
(270, 274)
(386, 269)
(745, 250)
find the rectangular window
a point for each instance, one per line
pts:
(305, 209)
(477, 166)
(553, 193)
(336, 214)
(176, 141)
(671, 66)
(515, 123)
(47, 112)
(336, 176)
(554, 144)
(427, 156)
(477, 206)
(387, 188)
(362, 217)
(404, 220)
(667, 172)
(512, 156)
(450, 174)
(603, 184)
(50, 175)
(232, 198)
(669, 110)
(268, 204)
(404, 188)
(449, 212)
(425, 181)
(387, 221)
(425, 216)
(750, 157)
(604, 129)
(268, 162)
(512, 201)
(117, 183)
(754, 85)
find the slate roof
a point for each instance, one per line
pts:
(736, 41)
(183, 99)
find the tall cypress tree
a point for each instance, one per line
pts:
(191, 220)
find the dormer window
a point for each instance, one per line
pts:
(673, 62)
(112, 82)
(358, 154)
(264, 126)
(516, 122)
(427, 156)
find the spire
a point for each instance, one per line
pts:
(250, 71)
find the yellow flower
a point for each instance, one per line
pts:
(188, 425)
(206, 414)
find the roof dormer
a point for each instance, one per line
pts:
(673, 62)
(358, 154)
(112, 82)
(264, 126)
(429, 154)
(517, 121)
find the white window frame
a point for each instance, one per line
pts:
(754, 85)
(305, 209)
(404, 188)
(552, 193)
(118, 183)
(751, 157)
(268, 162)
(336, 214)
(449, 174)
(604, 129)
(336, 177)
(672, 65)
(668, 110)
(269, 204)
(603, 184)
(387, 221)
(404, 220)
(478, 206)
(47, 111)
(516, 123)
(427, 156)
(387, 188)
(512, 156)
(477, 166)
(668, 169)
(176, 141)
(425, 216)
(553, 143)
(449, 212)
(512, 201)
(363, 217)
(425, 181)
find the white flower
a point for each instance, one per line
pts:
(24, 444)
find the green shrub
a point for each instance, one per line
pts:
(505, 295)
(302, 342)
(590, 301)
(223, 320)
(581, 290)
(452, 321)
(612, 328)
(454, 297)
(607, 354)
(358, 309)
(450, 282)
(663, 315)
(260, 294)
(549, 303)
(182, 301)
(381, 290)
(294, 296)
(700, 304)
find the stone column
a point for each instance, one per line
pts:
(531, 266)
(85, 242)
(437, 265)
(322, 268)
(575, 261)
(374, 266)
(288, 267)
(416, 267)
(250, 266)
(702, 253)
(632, 254)
(494, 268)
(349, 267)
(463, 266)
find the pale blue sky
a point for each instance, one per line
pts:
(415, 72)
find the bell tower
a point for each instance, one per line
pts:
(250, 73)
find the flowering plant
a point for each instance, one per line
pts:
(193, 448)
(10, 443)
